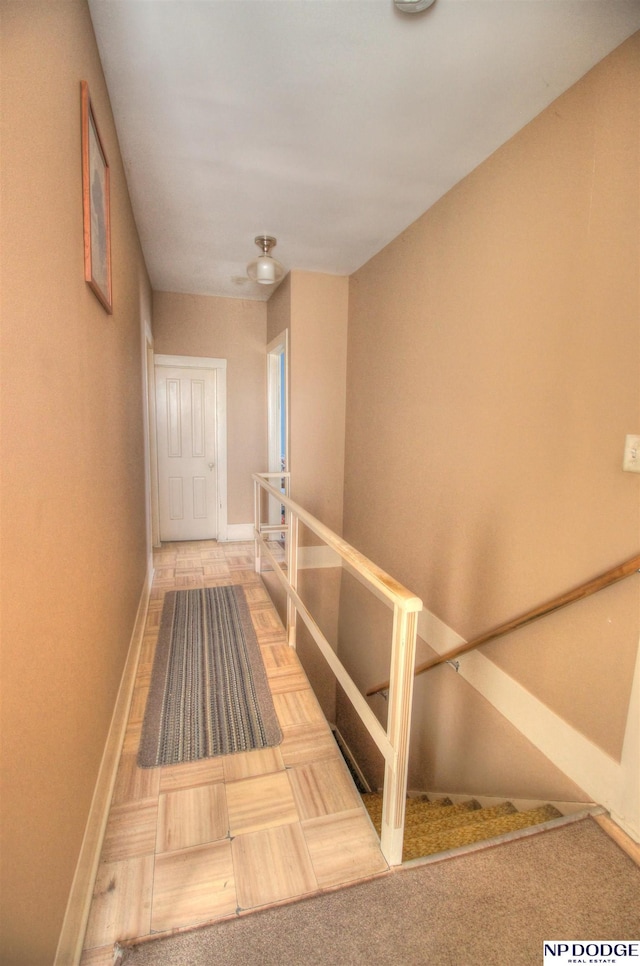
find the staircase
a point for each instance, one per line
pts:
(439, 825)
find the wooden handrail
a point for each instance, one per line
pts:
(391, 590)
(578, 593)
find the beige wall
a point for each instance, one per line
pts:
(279, 310)
(493, 374)
(319, 316)
(459, 744)
(73, 501)
(314, 309)
(235, 330)
(320, 591)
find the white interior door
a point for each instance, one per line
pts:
(188, 451)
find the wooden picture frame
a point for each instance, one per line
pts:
(96, 206)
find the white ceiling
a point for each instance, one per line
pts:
(331, 124)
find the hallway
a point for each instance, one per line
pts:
(191, 843)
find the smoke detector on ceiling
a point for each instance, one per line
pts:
(413, 6)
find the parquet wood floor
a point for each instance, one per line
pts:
(196, 842)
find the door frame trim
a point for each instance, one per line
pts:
(151, 463)
(277, 348)
(220, 365)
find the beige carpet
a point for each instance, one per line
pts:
(494, 907)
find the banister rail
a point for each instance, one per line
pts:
(388, 587)
(586, 589)
(393, 742)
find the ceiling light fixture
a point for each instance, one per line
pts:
(413, 6)
(265, 269)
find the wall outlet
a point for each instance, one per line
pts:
(631, 461)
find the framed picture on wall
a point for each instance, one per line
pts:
(96, 206)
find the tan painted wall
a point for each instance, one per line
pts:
(279, 310)
(314, 308)
(318, 334)
(320, 591)
(73, 501)
(493, 374)
(235, 330)
(458, 741)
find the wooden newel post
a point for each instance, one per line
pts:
(403, 650)
(292, 565)
(257, 523)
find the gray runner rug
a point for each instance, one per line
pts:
(209, 693)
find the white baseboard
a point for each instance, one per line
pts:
(318, 558)
(239, 532)
(74, 925)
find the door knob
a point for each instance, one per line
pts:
(211, 465)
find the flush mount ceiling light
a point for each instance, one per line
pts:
(413, 6)
(265, 269)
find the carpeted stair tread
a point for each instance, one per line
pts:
(415, 814)
(481, 817)
(430, 840)
(374, 800)
(373, 804)
(438, 826)
(471, 816)
(419, 811)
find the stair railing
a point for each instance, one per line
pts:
(586, 589)
(393, 742)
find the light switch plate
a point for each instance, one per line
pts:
(631, 461)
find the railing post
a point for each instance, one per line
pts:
(257, 499)
(292, 567)
(398, 730)
(394, 742)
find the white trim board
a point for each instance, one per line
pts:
(71, 938)
(318, 558)
(277, 347)
(615, 785)
(239, 532)
(612, 784)
(190, 362)
(309, 558)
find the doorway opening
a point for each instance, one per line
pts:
(278, 416)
